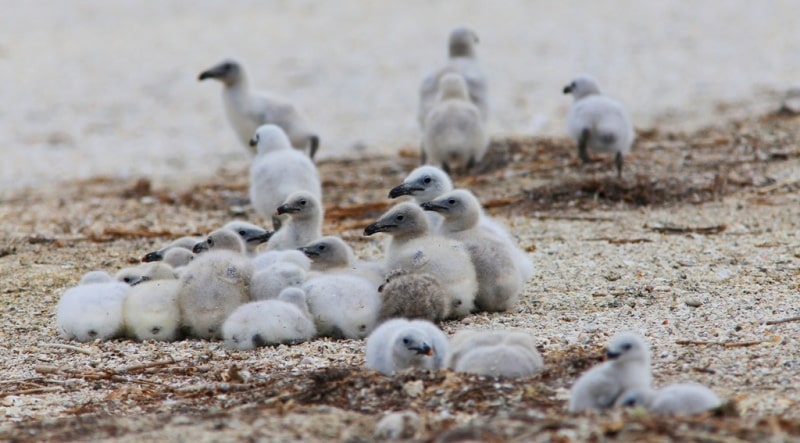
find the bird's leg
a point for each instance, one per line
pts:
(471, 163)
(422, 156)
(582, 142)
(314, 146)
(618, 161)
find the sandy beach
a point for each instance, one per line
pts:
(99, 88)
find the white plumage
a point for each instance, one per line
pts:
(268, 258)
(145, 272)
(628, 369)
(270, 281)
(331, 254)
(343, 305)
(151, 310)
(679, 398)
(248, 110)
(278, 171)
(92, 310)
(284, 320)
(252, 235)
(598, 123)
(400, 344)
(495, 353)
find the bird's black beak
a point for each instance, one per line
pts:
(433, 206)
(200, 247)
(567, 89)
(152, 256)
(214, 72)
(287, 209)
(404, 189)
(309, 252)
(612, 355)
(376, 227)
(423, 350)
(263, 238)
(141, 279)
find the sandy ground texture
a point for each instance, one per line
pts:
(110, 88)
(696, 248)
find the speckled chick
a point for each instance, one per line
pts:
(413, 295)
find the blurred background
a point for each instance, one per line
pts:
(96, 87)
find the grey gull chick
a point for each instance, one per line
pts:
(400, 344)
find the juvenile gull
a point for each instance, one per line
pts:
(331, 254)
(178, 257)
(211, 287)
(270, 281)
(145, 272)
(151, 310)
(248, 110)
(221, 240)
(495, 353)
(462, 60)
(400, 344)
(500, 280)
(343, 305)
(453, 135)
(92, 310)
(598, 123)
(186, 242)
(413, 295)
(415, 250)
(251, 234)
(679, 398)
(284, 320)
(277, 171)
(304, 225)
(628, 368)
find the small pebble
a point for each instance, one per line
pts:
(413, 388)
(693, 302)
(398, 425)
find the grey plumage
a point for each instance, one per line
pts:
(278, 171)
(304, 225)
(453, 135)
(248, 110)
(186, 242)
(219, 240)
(400, 344)
(252, 235)
(627, 369)
(598, 123)
(679, 398)
(463, 61)
(268, 282)
(495, 353)
(415, 250)
(413, 295)
(211, 287)
(499, 276)
(331, 254)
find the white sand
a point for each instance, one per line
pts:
(109, 88)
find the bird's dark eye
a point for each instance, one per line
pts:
(573, 85)
(227, 66)
(321, 247)
(127, 279)
(626, 347)
(210, 241)
(399, 218)
(362, 327)
(405, 341)
(303, 202)
(452, 201)
(427, 180)
(242, 233)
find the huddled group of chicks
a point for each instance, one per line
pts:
(444, 260)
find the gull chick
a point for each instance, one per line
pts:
(679, 398)
(186, 242)
(453, 135)
(400, 344)
(495, 353)
(413, 295)
(151, 310)
(221, 240)
(598, 123)
(248, 110)
(92, 310)
(499, 277)
(628, 368)
(251, 234)
(415, 250)
(284, 320)
(304, 225)
(463, 61)
(277, 171)
(145, 272)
